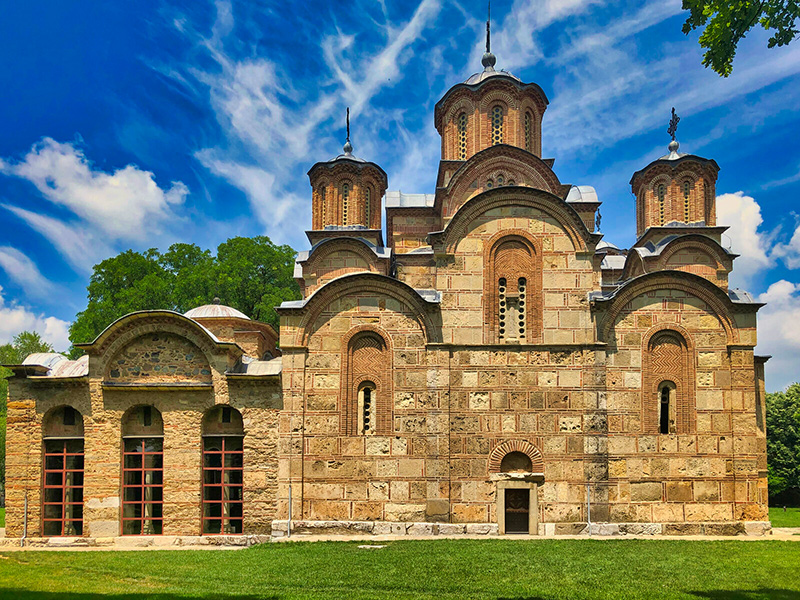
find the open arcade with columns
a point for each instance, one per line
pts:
(491, 365)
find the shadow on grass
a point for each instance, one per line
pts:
(748, 594)
(18, 594)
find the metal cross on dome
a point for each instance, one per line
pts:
(673, 124)
(348, 124)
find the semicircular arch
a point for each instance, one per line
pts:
(371, 283)
(501, 450)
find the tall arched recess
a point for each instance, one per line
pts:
(668, 386)
(366, 390)
(512, 289)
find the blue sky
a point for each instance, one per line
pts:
(137, 125)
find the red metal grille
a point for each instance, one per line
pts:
(222, 484)
(143, 486)
(62, 498)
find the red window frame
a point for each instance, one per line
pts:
(223, 472)
(142, 486)
(62, 487)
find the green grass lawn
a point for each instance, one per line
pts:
(790, 518)
(440, 569)
(2, 517)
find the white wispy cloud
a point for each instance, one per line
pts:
(16, 318)
(126, 204)
(21, 269)
(76, 243)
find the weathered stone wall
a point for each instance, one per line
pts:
(707, 472)
(181, 409)
(159, 356)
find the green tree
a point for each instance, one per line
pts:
(726, 23)
(22, 345)
(252, 275)
(783, 439)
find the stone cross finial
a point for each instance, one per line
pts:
(348, 124)
(673, 124)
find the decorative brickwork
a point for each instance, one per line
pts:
(368, 355)
(502, 450)
(668, 357)
(512, 257)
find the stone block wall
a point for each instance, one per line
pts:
(102, 408)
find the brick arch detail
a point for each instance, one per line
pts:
(689, 283)
(532, 272)
(553, 206)
(701, 243)
(424, 314)
(680, 370)
(356, 370)
(526, 168)
(122, 332)
(331, 245)
(500, 451)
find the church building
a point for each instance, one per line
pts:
(486, 364)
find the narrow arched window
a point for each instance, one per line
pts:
(62, 488)
(345, 202)
(223, 471)
(666, 407)
(323, 206)
(142, 472)
(366, 408)
(661, 191)
(502, 307)
(687, 188)
(367, 202)
(497, 125)
(528, 131)
(462, 136)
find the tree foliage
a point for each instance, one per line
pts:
(783, 440)
(14, 353)
(727, 22)
(252, 275)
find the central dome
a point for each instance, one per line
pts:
(215, 311)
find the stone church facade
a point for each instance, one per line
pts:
(490, 366)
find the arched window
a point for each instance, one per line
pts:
(661, 192)
(512, 266)
(528, 131)
(366, 408)
(366, 384)
(668, 395)
(367, 202)
(323, 206)
(462, 136)
(687, 188)
(497, 125)
(666, 407)
(142, 472)
(62, 486)
(345, 202)
(223, 474)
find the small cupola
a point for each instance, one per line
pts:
(347, 191)
(491, 107)
(675, 190)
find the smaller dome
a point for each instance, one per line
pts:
(215, 311)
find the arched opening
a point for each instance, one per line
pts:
(366, 385)
(496, 122)
(462, 136)
(666, 407)
(528, 131)
(62, 493)
(661, 193)
(516, 462)
(142, 471)
(366, 408)
(345, 203)
(512, 266)
(223, 471)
